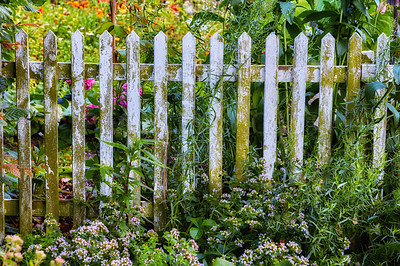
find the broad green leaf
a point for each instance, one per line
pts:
(222, 262)
(15, 113)
(196, 233)
(196, 221)
(283, 263)
(372, 88)
(288, 9)
(209, 222)
(396, 115)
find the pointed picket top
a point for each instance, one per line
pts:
(271, 37)
(356, 37)
(188, 38)
(77, 35)
(383, 37)
(328, 38)
(50, 34)
(21, 34)
(216, 38)
(244, 36)
(106, 36)
(160, 37)
(301, 38)
(132, 37)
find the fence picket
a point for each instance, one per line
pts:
(160, 128)
(298, 99)
(215, 113)
(133, 102)
(188, 107)
(270, 102)
(78, 126)
(243, 103)
(379, 142)
(326, 98)
(51, 123)
(353, 73)
(2, 206)
(24, 134)
(106, 107)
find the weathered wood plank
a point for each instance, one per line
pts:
(298, 100)
(270, 103)
(174, 71)
(326, 98)
(106, 108)
(51, 122)
(215, 113)
(243, 103)
(353, 73)
(379, 141)
(78, 126)
(2, 195)
(133, 103)
(24, 133)
(160, 128)
(188, 108)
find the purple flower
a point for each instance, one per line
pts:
(88, 83)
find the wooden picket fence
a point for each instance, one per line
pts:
(327, 73)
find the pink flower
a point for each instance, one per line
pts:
(381, 7)
(123, 104)
(89, 84)
(124, 88)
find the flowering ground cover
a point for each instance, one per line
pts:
(334, 214)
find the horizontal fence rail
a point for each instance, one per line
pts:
(361, 68)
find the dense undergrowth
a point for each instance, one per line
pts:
(343, 212)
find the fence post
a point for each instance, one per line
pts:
(379, 143)
(353, 73)
(133, 102)
(51, 123)
(160, 128)
(24, 133)
(270, 102)
(78, 126)
(106, 108)
(298, 100)
(2, 207)
(327, 67)
(215, 113)
(243, 103)
(188, 108)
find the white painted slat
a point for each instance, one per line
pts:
(133, 102)
(188, 108)
(24, 133)
(78, 125)
(298, 100)
(160, 127)
(326, 98)
(270, 102)
(243, 103)
(379, 142)
(215, 113)
(106, 107)
(51, 123)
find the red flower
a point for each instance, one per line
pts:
(174, 8)
(40, 9)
